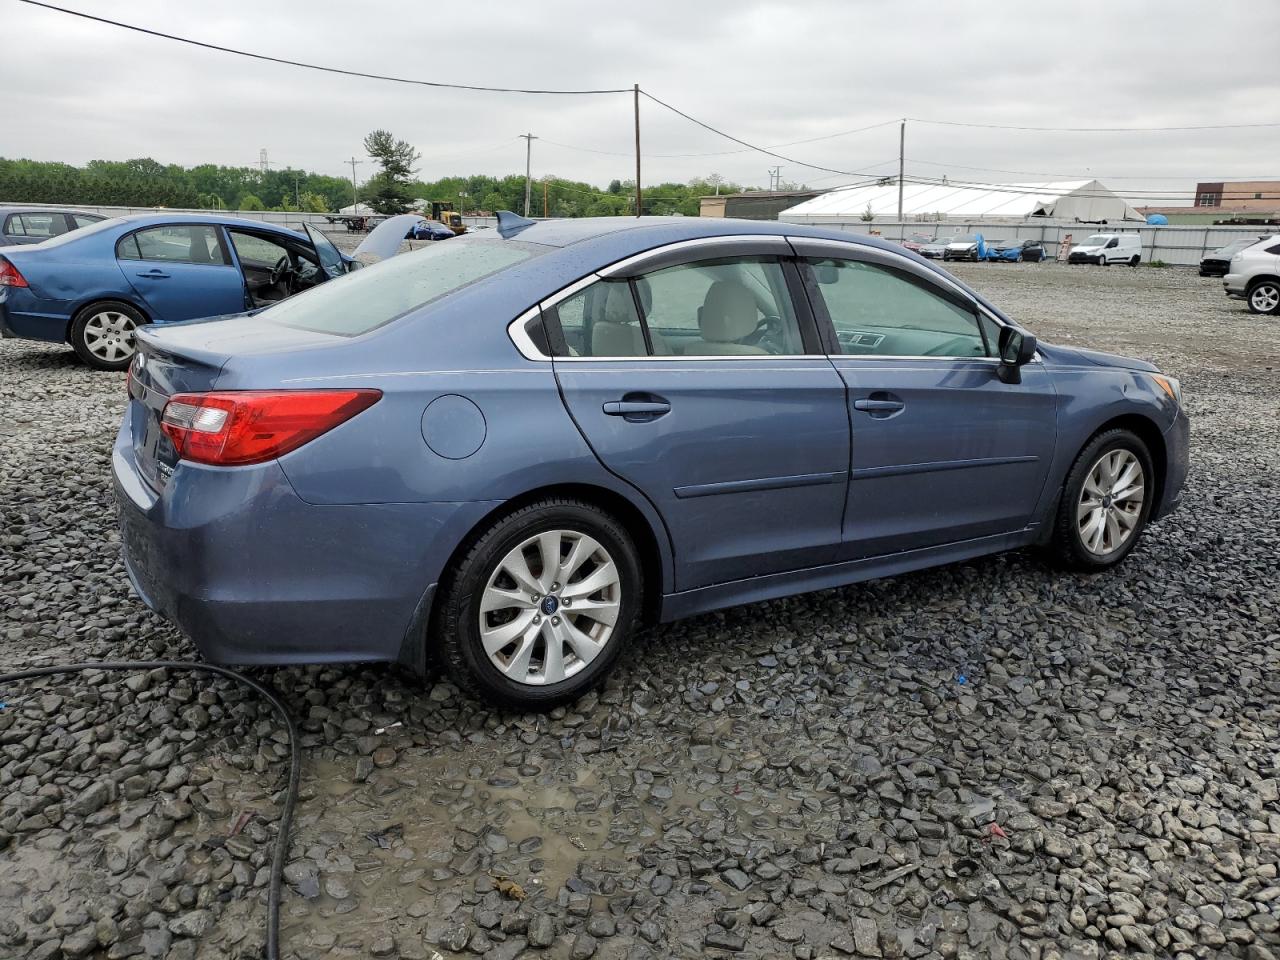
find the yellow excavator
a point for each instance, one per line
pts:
(442, 210)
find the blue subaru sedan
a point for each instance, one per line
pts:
(505, 452)
(95, 286)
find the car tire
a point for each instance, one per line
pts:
(1099, 490)
(1133, 261)
(102, 334)
(1263, 297)
(480, 594)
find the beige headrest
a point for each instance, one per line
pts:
(728, 313)
(618, 305)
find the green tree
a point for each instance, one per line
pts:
(251, 202)
(388, 191)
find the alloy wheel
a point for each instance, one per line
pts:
(549, 608)
(109, 336)
(1265, 298)
(1111, 502)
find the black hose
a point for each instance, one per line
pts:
(295, 760)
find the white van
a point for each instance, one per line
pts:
(1107, 248)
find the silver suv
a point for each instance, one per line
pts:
(1254, 276)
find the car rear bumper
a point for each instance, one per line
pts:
(255, 575)
(1233, 285)
(27, 317)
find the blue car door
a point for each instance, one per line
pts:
(942, 450)
(703, 384)
(182, 271)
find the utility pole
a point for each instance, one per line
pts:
(902, 146)
(263, 163)
(639, 198)
(297, 194)
(355, 192)
(544, 198)
(528, 167)
(775, 178)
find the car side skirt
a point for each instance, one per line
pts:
(687, 603)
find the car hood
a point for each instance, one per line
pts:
(963, 245)
(1061, 354)
(386, 237)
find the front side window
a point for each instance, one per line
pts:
(877, 311)
(175, 243)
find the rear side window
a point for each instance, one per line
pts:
(1274, 249)
(174, 243)
(42, 224)
(13, 226)
(361, 301)
(85, 219)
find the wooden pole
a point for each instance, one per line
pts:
(639, 203)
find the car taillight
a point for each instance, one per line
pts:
(9, 275)
(234, 428)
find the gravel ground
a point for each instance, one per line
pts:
(992, 759)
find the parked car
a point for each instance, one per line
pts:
(1108, 248)
(1216, 263)
(505, 451)
(1016, 250)
(1254, 276)
(93, 288)
(916, 241)
(25, 225)
(968, 247)
(430, 230)
(935, 249)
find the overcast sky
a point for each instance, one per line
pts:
(767, 72)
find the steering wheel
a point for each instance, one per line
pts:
(281, 270)
(767, 334)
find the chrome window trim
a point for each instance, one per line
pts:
(730, 240)
(527, 348)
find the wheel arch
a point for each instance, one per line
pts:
(1260, 278)
(1146, 430)
(97, 299)
(653, 544)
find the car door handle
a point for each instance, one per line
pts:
(634, 408)
(154, 275)
(879, 406)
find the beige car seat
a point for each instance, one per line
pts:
(728, 314)
(616, 331)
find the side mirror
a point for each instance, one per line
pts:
(1016, 350)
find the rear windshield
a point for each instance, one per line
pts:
(369, 298)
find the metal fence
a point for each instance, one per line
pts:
(1177, 245)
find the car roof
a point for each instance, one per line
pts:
(142, 219)
(648, 232)
(39, 209)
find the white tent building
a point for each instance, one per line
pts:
(357, 210)
(1069, 200)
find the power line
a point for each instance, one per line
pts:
(749, 146)
(1044, 190)
(1003, 126)
(1077, 176)
(304, 65)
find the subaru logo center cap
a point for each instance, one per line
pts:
(550, 605)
